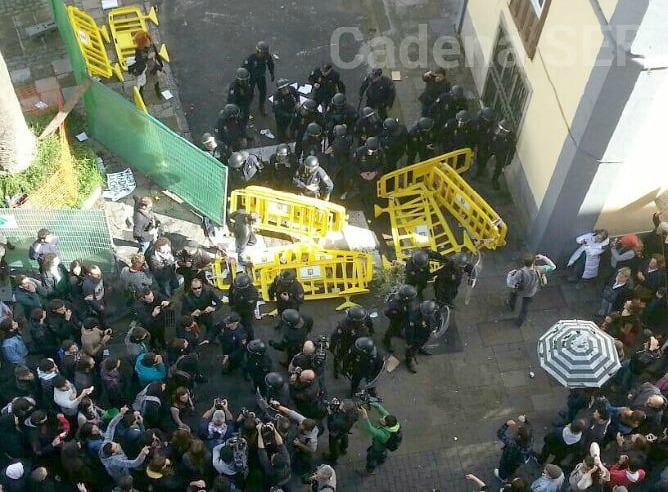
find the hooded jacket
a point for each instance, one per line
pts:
(379, 434)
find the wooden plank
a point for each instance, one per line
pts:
(57, 120)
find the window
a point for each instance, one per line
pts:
(506, 88)
(529, 17)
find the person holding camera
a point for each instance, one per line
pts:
(306, 392)
(216, 424)
(310, 357)
(384, 437)
(275, 466)
(341, 417)
(231, 460)
(305, 444)
(324, 479)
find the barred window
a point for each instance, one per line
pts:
(506, 88)
(529, 17)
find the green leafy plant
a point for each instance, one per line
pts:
(387, 278)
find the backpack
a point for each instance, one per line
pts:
(142, 398)
(511, 280)
(394, 441)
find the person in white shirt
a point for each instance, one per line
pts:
(65, 395)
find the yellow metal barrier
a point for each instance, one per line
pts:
(90, 40)
(300, 217)
(418, 197)
(125, 22)
(324, 273)
(139, 101)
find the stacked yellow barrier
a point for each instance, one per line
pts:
(125, 22)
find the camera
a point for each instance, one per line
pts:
(218, 403)
(249, 417)
(267, 432)
(296, 371)
(320, 356)
(239, 452)
(365, 396)
(332, 405)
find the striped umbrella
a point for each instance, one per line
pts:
(578, 354)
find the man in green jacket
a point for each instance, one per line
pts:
(376, 454)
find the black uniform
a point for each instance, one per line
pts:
(233, 344)
(241, 94)
(369, 170)
(298, 126)
(250, 170)
(366, 127)
(459, 136)
(503, 147)
(155, 325)
(325, 85)
(393, 143)
(445, 107)
(243, 302)
(432, 90)
(208, 297)
(232, 133)
(293, 337)
(380, 94)
(358, 366)
(281, 173)
(257, 65)
(256, 367)
(339, 425)
(343, 339)
(316, 184)
(339, 155)
(284, 106)
(421, 144)
(417, 331)
(485, 135)
(397, 311)
(294, 290)
(310, 145)
(447, 280)
(308, 398)
(418, 276)
(334, 115)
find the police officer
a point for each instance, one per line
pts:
(233, 337)
(449, 276)
(398, 307)
(339, 112)
(257, 365)
(312, 180)
(380, 92)
(485, 125)
(286, 291)
(284, 105)
(341, 416)
(363, 362)
(215, 148)
(503, 148)
(367, 125)
(229, 128)
(459, 132)
(243, 166)
(240, 92)
(357, 323)
(311, 143)
(274, 389)
(420, 323)
(417, 269)
(282, 166)
(308, 113)
(339, 154)
(393, 140)
(241, 225)
(257, 65)
(448, 104)
(296, 328)
(422, 141)
(370, 162)
(436, 83)
(326, 82)
(243, 297)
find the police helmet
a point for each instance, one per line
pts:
(339, 100)
(356, 313)
(313, 130)
(505, 126)
(242, 75)
(487, 113)
(237, 159)
(291, 317)
(206, 138)
(288, 275)
(420, 258)
(460, 259)
(407, 293)
(368, 112)
(262, 47)
(372, 144)
(425, 124)
(309, 106)
(230, 111)
(463, 116)
(340, 130)
(256, 347)
(311, 163)
(282, 83)
(274, 380)
(365, 345)
(428, 308)
(282, 152)
(242, 281)
(390, 124)
(376, 72)
(457, 91)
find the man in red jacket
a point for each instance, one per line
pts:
(626, 472)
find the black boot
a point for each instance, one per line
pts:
(410, 363)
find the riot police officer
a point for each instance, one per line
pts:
(311, 143)
(367, 125)
(420, 323)
(380, 92)
(447, 105)
(397, 310)
(485, 125)
(275, 389)
(284, 105)
(417, 269)
(244, 167)
(341, 417)
(357, 323)
(326, 82)
(339, 112)
(296, 328)
(369, 161)
(286, 291)
(257, 65)
(448, 278)
(308, 113)
(436, 83)
(282, 166)
(393, 140)
(240, 92)
(257, 365)
(243, 297)
(312, 180)
(229, 128)
(363, 363)
(503, 148)
(422, 141)
(216, 149)
(339, 154)
(459, 132)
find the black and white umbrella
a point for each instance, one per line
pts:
(578, 354)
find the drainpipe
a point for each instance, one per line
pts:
(461, 16)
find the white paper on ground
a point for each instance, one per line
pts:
(120, 184)
(109, 4)
(167, 94)
(82, 137)
(41, 105)
(305, 89)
